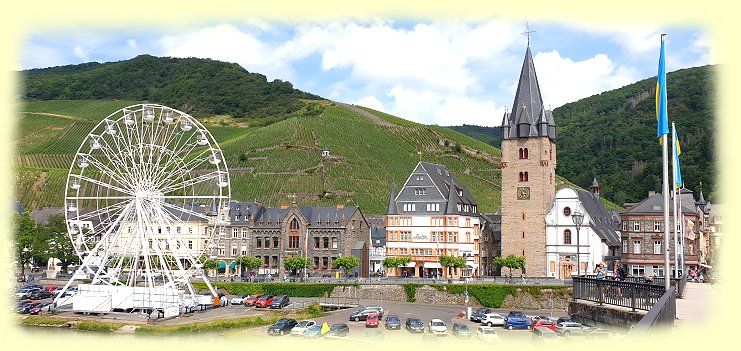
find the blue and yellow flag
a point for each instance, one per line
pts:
(677, 152)
(661, 113)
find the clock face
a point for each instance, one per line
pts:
(523, 193)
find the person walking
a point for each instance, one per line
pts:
(618, 274)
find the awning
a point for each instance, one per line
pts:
(233, 265)
(222, 264)
(706, 266)
(432, 265)
(410, 264)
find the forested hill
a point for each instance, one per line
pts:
(200, 87)
(612, 136)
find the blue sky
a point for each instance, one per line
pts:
(433, 72)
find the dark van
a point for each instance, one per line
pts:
(280, 301)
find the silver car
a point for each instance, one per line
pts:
(568, 328)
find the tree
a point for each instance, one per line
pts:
(294, 263)
(395, 262)
(346, 263)
(26, 240)
(510, 261)
(249, 262)
(60, 245)
(452, 261)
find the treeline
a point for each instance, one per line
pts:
(200, 87)
(489, 135)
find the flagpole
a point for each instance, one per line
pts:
(674, 199)
(681, 232)
(662, 117)
(665, 154)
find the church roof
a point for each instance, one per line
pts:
(528, 117)
(602, 222)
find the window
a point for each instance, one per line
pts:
(326, 242)
(293, 242)
(420, 191)
(409, 207)
(276, 241)
(523, 234)
(567, 211)
(567, 237)
(636, 226)
(190, 244)
(625, 226)
(316, 242)
(325, 261)
(316, 261)
(638, 270)
(258, 242)
(405, 236)
(244, 233)
(658, 271)
(235, 232)
(433, 207)
(334, 243)
(234, 251)
(657, 247)
(275, 261)
(625, 245)
(190, 230)
(636, 246)
(420, 177)
(657, 226)
(294, 224)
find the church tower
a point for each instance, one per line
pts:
(528, 172)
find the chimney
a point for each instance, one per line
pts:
(651, 193)
(340, 206)
(282, 206)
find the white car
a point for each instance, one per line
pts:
(487, 334)
(301, 327)
(492, 319)
(238, 300)
(568, 328)
(437, 327)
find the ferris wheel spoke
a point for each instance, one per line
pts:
(117, 158)
(190, 182)
(186, 168)
(188, 212)
(107, 171)
(110, 210)
(103, 184)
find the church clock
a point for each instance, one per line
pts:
(523, 193)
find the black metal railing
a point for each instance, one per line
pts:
(661, 316)
(678, 283)
(636, 296)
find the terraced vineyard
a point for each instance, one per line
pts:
(273, 163)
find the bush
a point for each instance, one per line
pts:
(411, 290)
(314, 310)
(493, 295)
(97, 326)
(290, 289)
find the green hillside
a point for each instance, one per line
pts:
(200, 87)
(612, 136)
(273, 162)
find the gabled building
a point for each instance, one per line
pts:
(642, 231)
(490, 243)
(598, 236)
(432, 215)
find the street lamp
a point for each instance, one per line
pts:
(578, 218)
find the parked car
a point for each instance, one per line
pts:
(393, 322)
(250, 299)
(515, 322)
(279, 301)
(339, 329)
(545, 335)
(38, 308)
(568, 328)
(516, 314)
(362, 314)
(25, 293)
(437, 327)
(414, 325)
(39, 294)
(478, 314)
(376, 307)
(563, 319)
(238, 300)
(537, 318)
(264, 301)
(315, 331)
(26, 308)
(301, 327)
(543, 323)
(282, 326)
(492, 319)
(50, 288)
(372, 321)
(461, 330)
(69, 292)
(23, 307)
(487, 334)
(34, 286)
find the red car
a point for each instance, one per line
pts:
(372, 321)
(250, 300)
(50, 288)
(264, 301)
(37, 308)
(544, 323)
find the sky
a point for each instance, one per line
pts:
(432, 72)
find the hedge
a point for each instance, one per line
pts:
(411, 290)
(290, 289)
(492, 295)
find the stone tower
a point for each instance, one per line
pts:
(528, 172)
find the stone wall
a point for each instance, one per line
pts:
(604, 316)
(429, 295)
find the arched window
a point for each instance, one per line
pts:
(520, 153)
(525, 177)
(294, 224)
(521, 177)
(567, 211)
(525, 153)
(567, 236)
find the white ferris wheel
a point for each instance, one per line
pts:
(147, 195)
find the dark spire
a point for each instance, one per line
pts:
(595, 188)
(452, 199)
(701, 202)
(392, 201)
(528, 117)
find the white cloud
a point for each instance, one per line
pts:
(79, 52)
(371, 102)
(562, 80)
(433, 108)
(132, 44)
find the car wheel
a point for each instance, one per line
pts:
(491, 324)
(567, 333)
(509, 327)
(281, 333)
(357, 319)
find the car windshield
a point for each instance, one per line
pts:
(415, 322)
(438, 324)
(336, 326)
(282, 322)
(463, 327)
(488, 331)
(302, 324)
(315, 327)
(265, 297)
(372, 317)
(393, 319)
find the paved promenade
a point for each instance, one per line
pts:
(697, 304)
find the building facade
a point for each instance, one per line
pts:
(491, 243)
(432, 215)
(598, 237)
(642, 228)
(528, 172)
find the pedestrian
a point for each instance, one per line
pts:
(618, 274)
(601, 271)
(693, 274)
